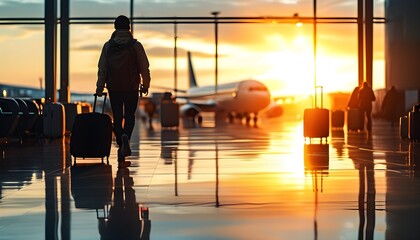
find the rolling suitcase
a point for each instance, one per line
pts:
(169, 113)
(54, 120)
(316, 121)
(72, 109)
(404, 127)
(337, 119)
(414, 123)
(355, 120)
(91, 135)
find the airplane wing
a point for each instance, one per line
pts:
(203, 105)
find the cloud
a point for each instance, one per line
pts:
(24, 8)
(20, 32)
(88, 47)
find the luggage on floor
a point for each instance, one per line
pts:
(72, 109)
(337, 119)
(316, 121)
(91, 134)
(403, 127)
(355, 120)
(169, 112)
(54, 120)
(414, 123)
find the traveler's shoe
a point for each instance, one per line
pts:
(124, 164)
(125, 146)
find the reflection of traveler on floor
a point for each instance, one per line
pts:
(363, 160)
(150, 108)
(122, 62)
(366, 97)
(123, 220)
(389, 105)
(354, 99)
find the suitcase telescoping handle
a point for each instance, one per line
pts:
(94, 102)
(321, 90)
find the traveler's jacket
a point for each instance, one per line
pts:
(366, 97)
(123, 37)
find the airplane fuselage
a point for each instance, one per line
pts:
(243, 97)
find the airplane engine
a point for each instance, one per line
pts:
(190, 110)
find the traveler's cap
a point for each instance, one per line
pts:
(122, 22)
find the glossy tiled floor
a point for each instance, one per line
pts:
(217, 182)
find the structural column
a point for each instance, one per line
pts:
(64, 52)
(50, 50)
(216, 54)
(360, 42)
(369, 40)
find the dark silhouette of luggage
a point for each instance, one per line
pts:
(404, 127)
(355, 120)
(337, 119)
(169, 112)
(316, 121)
(91, 135)
(414, 123)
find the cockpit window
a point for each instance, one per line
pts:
(259, 88)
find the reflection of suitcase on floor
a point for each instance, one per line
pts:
(91, 186)
(354, 120)
(91, 135)
(316, 157)
(316, 121)
(169, 113)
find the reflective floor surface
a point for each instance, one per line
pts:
(227, 181)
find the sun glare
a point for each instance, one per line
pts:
(291, 64)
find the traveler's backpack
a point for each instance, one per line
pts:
(122, 73)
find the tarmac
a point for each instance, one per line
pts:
(217, 181)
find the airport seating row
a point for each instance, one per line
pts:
(23, 117)
(18, 117)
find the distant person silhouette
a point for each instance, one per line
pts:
(124, 220)
(123, 67)
(390, 104)
(366, 97)
(150, 108)
(354, 99)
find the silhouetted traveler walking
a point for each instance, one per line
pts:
(366, 97)
(389, 105)
(354, 99)
(123, 67)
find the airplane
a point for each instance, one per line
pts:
(240, 99)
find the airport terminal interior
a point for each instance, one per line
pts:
(219, 177)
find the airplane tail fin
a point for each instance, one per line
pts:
(192, 82)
